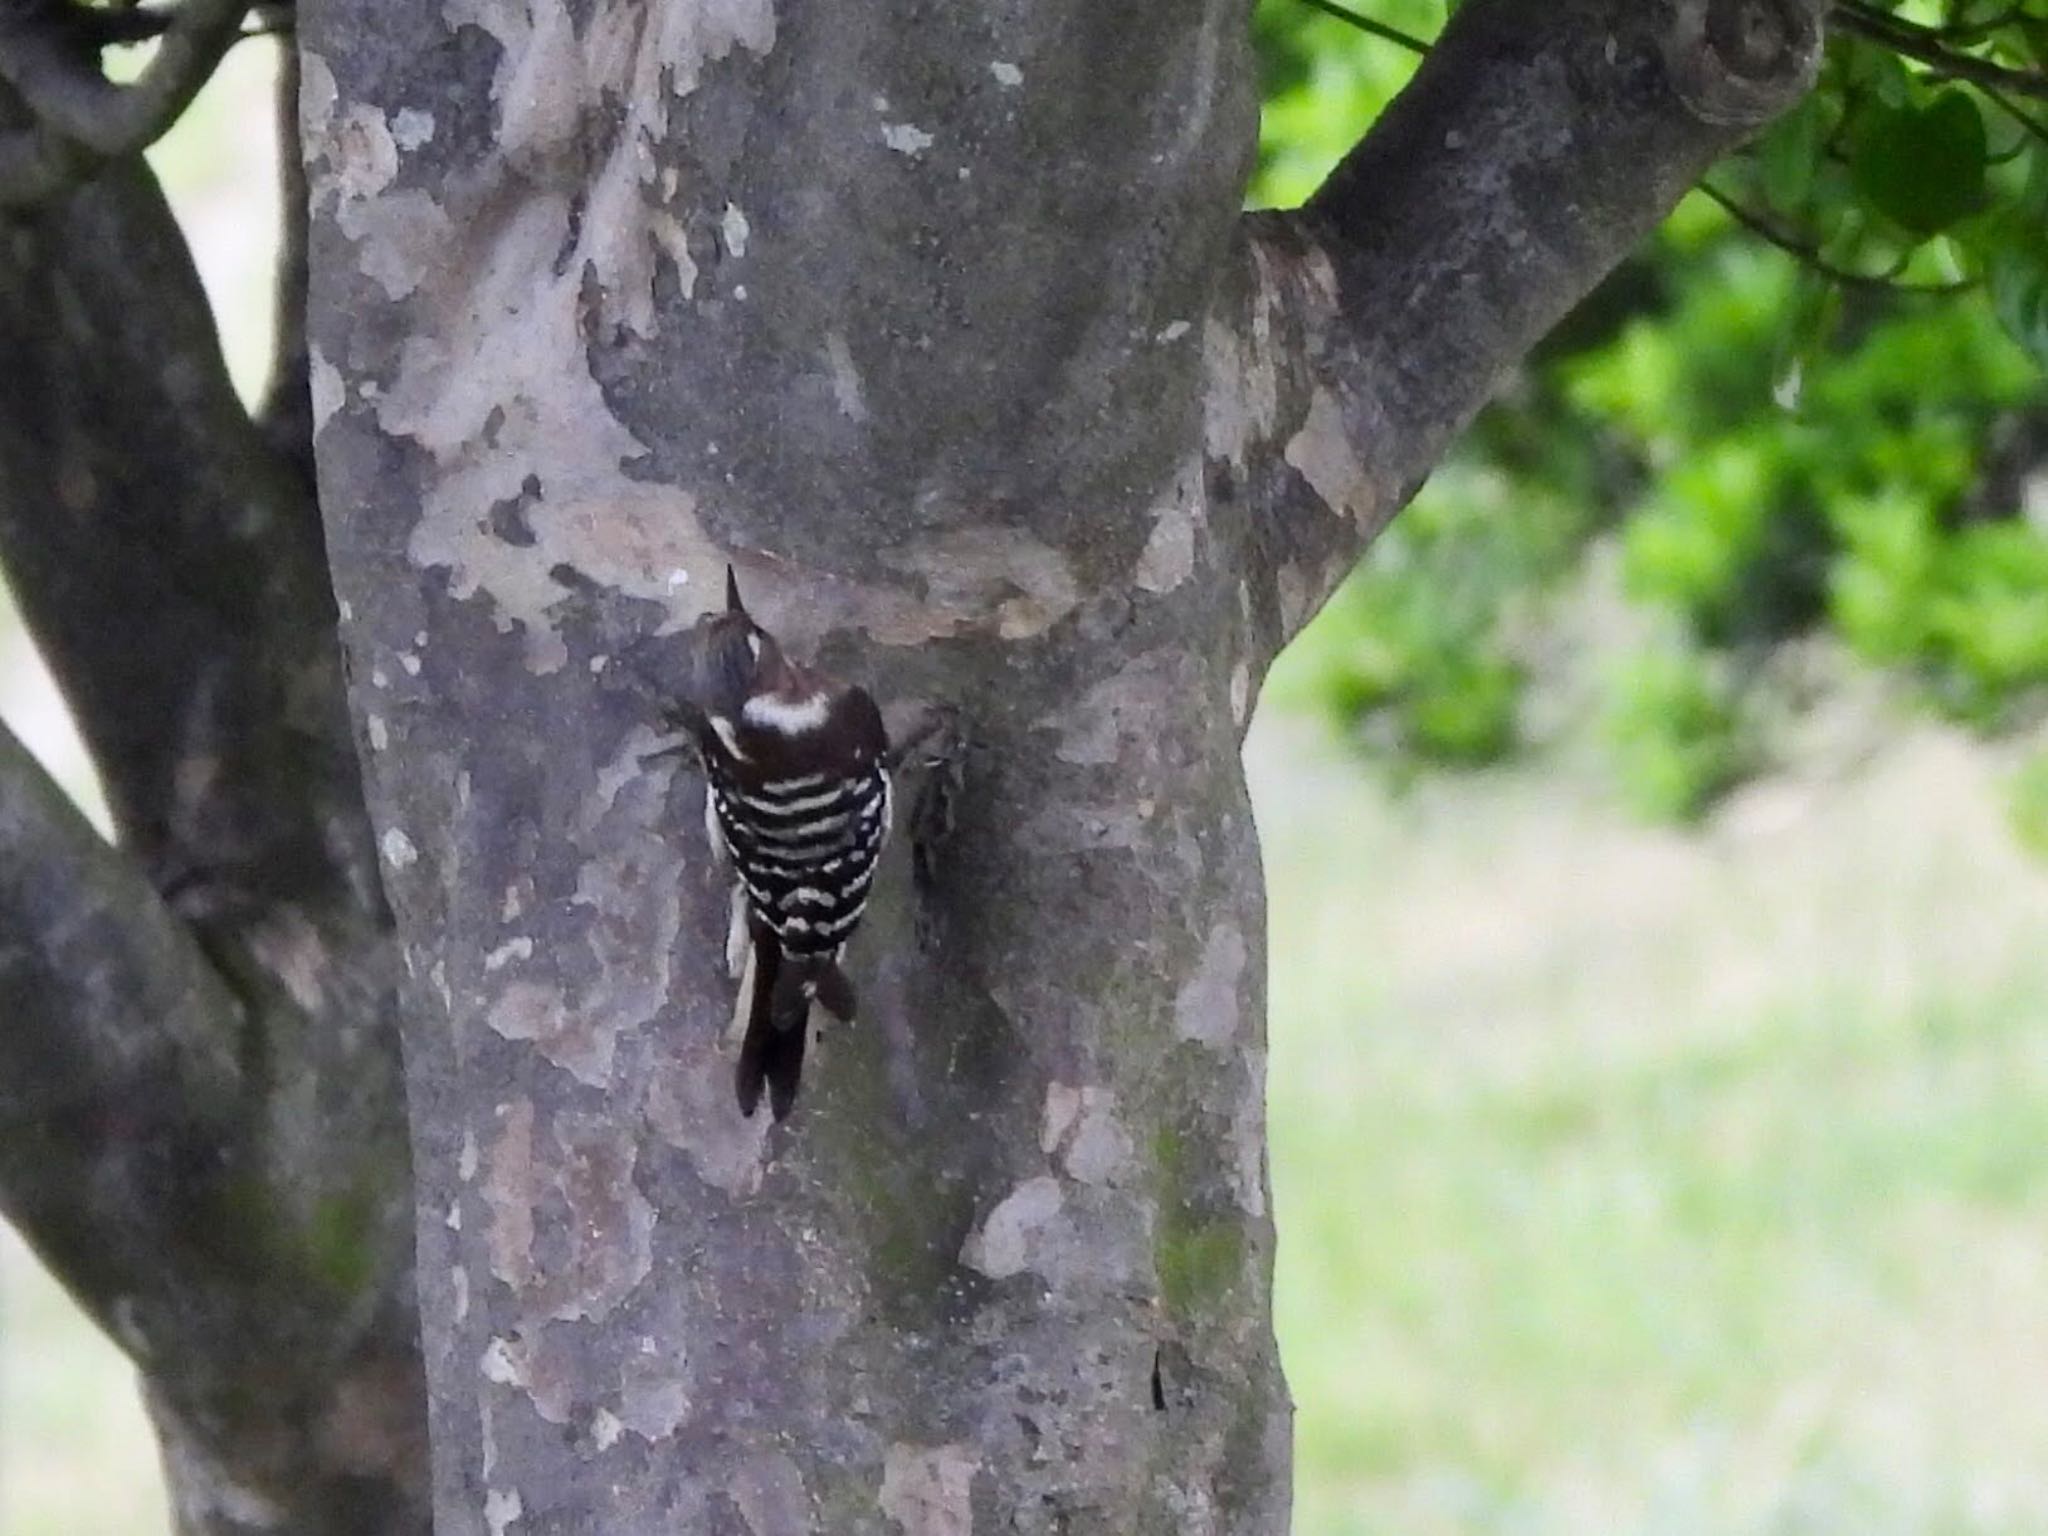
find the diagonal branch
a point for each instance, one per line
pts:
(1533, 148)
(134, 484)
(120, 1077)
(240, 1227)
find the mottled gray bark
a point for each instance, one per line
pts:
(939, 323)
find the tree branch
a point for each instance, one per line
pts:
(154, 1150)
(1927, 45)
(287, 410)
(133, 483)
(1533, 148)
(55, 70)
(1810, 257)
(1369, 25)
(120, 1071)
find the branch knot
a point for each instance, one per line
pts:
(1739, 63)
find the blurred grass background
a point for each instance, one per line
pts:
(1632, 1181)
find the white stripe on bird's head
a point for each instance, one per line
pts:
(788, 717)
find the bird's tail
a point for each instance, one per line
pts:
(778, 1022)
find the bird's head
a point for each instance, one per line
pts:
(734, 658)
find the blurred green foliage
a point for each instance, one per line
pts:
(1812, 404)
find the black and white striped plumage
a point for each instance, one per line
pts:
(799, 802)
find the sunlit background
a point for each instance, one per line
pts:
(1650, 1177)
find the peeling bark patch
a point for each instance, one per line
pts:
(769, 1490)
(655, 1397)
(520, 948)
(1063, 829)
(1322, 454)
(596, 1242)
(1296, 594)
(389, 232)
(929, 1491)
(509, 1194)
(978, 576)
(579, 1041)
(906, 138)
(411, 128)
(328, 389)
(641, 57)
(500, 393)
(1081, 1129)
(494, 381)
(690, 1106)
(1240, 692)
(733, 226)
(1006, 73)
(1168, 558)
(1207, 1009)
(1003, 1245)
(1241, 403)
(502, 1508)
(533, 1366)
(285, 944)
(1129, 714)
(357, 160)
(1248, 1139)
(846, 388)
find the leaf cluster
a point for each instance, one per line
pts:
(1813, 405)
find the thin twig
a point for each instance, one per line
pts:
(2032, 125)
(1811, 257)
(1367, 24)
(1925, 45)
(1977, 31)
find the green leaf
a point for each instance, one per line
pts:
(1923, 167)
(1789, 152)
(2017, 268)
(1816, 310)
